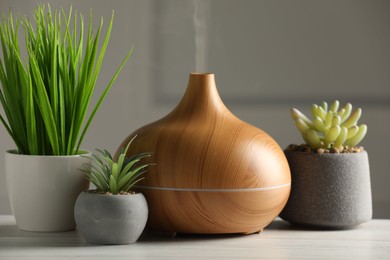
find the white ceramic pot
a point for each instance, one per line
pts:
(111, 219)
(43, 190)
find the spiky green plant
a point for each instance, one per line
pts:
(115, 177)
(46, 96)
(330, 128)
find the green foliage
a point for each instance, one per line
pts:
(330, 128)
(119, 176)
(46, 98)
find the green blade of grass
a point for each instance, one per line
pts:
(102, 97)
(44, 106)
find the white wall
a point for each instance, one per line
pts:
(267, 55)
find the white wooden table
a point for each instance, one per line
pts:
(278, 241)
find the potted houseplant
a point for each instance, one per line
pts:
(112, 213)
(330, 173)
(45, 96)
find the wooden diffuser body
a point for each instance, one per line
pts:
(214, 173)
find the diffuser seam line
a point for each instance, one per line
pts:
(212, 190)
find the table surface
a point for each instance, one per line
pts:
(278, 241)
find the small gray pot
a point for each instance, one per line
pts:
(111, 219)
(329, 191)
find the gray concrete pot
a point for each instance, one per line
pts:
(111, 219)
(330, 191)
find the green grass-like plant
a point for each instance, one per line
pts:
(46, 96)
(115, 177)
(330, 128)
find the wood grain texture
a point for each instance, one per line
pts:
(214, 212)
(202, 145)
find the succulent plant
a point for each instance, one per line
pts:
(330, 128)
(115, 177)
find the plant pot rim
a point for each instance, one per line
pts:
(82, 152)
(325, 154)
(110, 194)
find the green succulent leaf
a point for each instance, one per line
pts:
(115, 171)
(358, 137)
(353, 119)
(127, 168)
(346, 113)
(352, 131)
(336, 120)
(332, 134)
(99, 180)
(113, 185)
(296, 114)
(105, 156)
(302, 126)
(340, 140)
(329, 119)
(319, 124)
(132, 183)
(315, 111)
(324, 106)
(335, 106)
(322, 113)
(313, 138)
